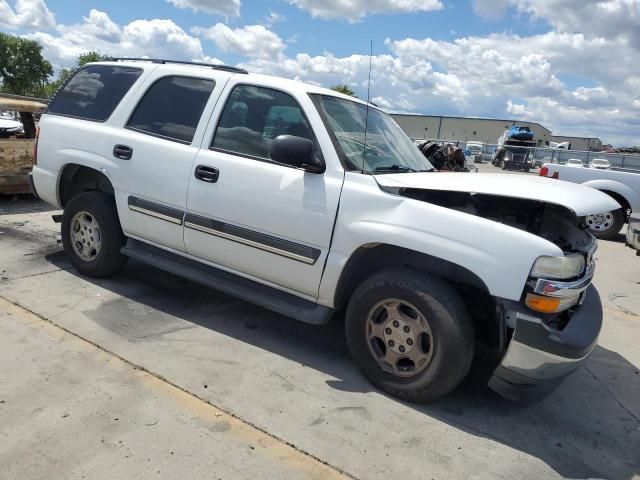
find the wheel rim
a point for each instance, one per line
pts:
(600, 223)
(399, 337)
(86, 238)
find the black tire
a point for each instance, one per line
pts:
(101, 208)
(452, 338)
(604, 230)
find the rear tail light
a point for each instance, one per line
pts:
(35, 147)
(544, 171)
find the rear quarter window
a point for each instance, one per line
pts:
(94, 92)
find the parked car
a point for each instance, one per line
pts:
(623, 187)
(272, 191)
(574, 162)
(17, 142)
(9, 126)
(600, 163)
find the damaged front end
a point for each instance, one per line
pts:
(554, 326)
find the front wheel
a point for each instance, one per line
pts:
(410, 334)
(606, 225)
(91, 234)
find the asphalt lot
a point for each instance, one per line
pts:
(148, 375)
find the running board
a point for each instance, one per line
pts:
(240, 287)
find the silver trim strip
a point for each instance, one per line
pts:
(152, 213)
(560, 289)
(261, 246)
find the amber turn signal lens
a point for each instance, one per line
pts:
(542, 304)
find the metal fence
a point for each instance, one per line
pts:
(626, 161)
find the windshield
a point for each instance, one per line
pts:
(474, 148)
(387, 149)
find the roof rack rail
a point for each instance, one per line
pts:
(163, 61)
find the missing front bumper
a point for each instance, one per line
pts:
(539, 357)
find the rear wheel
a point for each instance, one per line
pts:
(606, 225)
(410, 334)
(91, 234)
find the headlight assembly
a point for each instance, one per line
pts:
(569, 266)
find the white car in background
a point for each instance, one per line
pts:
(600, 163)
(9, 126)
(575, 162)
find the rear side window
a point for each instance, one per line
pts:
(94, 92)
(172, 108)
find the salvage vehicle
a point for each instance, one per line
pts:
(513, 153)
(622, 186)
(519, 132)
(308, 202)
(17, 143)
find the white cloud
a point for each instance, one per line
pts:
(26, 14)
(253, 41)
(609, 19)
(273, 17)
(221, 7)
(491, 10)
(152, 38)
(496, 75)
(354, 10)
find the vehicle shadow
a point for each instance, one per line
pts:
(582, 430)
(619, 238)
(23, 203)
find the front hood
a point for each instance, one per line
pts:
(578, 198)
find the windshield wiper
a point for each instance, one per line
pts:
(394, 168)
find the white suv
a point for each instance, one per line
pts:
(307, 202)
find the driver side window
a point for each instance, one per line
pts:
(254, 116)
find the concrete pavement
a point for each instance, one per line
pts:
(297, 382)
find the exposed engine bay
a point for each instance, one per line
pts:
(554, 223)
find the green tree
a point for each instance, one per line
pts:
(343, 89)
(23, 69)
(89, 57)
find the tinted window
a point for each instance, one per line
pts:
(94, 92)
(254, 116)
(172, 108)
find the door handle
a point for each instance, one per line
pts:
(207, 174)
(123, 152)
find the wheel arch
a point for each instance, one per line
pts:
(372, 258)
(75, 178)
(620, 192)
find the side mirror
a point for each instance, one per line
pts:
(296, 152)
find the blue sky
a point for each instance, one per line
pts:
(548, 61)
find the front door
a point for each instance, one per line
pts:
(255, 217)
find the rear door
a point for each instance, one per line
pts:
(156, 148)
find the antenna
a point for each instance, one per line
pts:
(366, 115)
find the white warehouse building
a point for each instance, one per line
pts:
(485, 130)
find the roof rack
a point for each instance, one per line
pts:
(225, 68)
